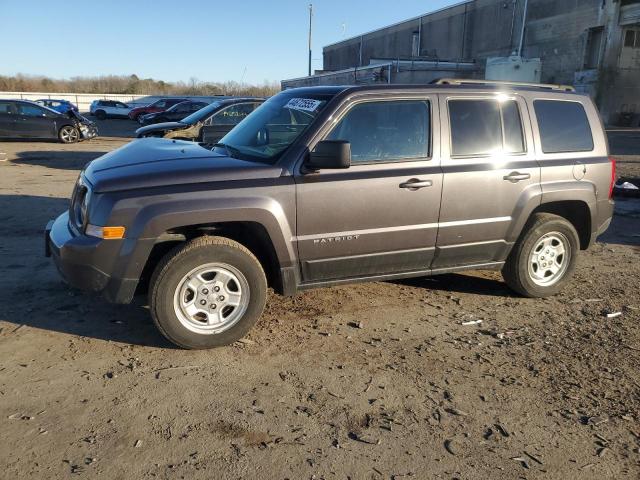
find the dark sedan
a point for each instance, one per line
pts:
(24, 119)
(207, 125)
(157, 106)
(173, 114)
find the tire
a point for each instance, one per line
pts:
(69, 134)
(535, 267)
(101, 114)
(205, 270)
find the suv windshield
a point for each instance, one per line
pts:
(267, 132)
(201, 114)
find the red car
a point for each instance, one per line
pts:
(157, 106)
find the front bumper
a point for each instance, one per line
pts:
(90, 132)
(86, 262)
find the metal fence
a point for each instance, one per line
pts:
(83, 100)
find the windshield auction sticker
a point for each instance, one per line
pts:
(304, 104)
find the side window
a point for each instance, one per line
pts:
(160, 104)
(30, 110)
(485, 127)
(233, 114)
(564, 126)
(386, 131)
(7, 107)
(512, 125)
(183, 108)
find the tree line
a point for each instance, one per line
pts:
(132, 85)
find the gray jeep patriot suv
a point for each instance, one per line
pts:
(329, 185)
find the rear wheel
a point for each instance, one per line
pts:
(101, 114)
(69, 134)
(207, 293)
(544, 258)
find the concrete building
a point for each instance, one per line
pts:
(591, 44)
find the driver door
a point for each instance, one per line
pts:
(379, 216)
(34, 122)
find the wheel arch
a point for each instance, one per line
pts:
(252, 235)
(258, 223)
(574, 201)
(576, 212)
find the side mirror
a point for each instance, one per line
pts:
(330, 154)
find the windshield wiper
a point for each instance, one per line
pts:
(231, 151)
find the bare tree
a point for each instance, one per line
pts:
(133, 85)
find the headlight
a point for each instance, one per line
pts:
(80, 203)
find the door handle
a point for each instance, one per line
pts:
(515, 177)
(416, 184)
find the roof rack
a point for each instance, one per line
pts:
(464, 81)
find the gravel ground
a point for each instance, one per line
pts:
(370, 381)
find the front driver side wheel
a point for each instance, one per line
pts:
(207, 293)
(69, 134)
(543, 260)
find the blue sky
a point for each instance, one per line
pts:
(210, 40)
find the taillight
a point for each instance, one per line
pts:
(613, 176)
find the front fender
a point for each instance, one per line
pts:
(154, 220)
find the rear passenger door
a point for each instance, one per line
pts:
(35, 122)
(490, 172)
(380, 215)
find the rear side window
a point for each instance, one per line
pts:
(564, 126)
(385, 131)
(7, 107)
(485, 127)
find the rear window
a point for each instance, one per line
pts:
(485, 127)
(564, 126)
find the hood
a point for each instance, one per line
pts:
(74, 115)
(161, 127)
(156, 162)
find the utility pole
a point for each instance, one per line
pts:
(524, 23)
(310, 19)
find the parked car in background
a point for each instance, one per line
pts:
(208, 124)
(172, 114)
(24, 119)
(62, 106)
(157, 106)
(102, 109)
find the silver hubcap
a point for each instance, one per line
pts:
(69, 134)
(211, 298)
(549, 259)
